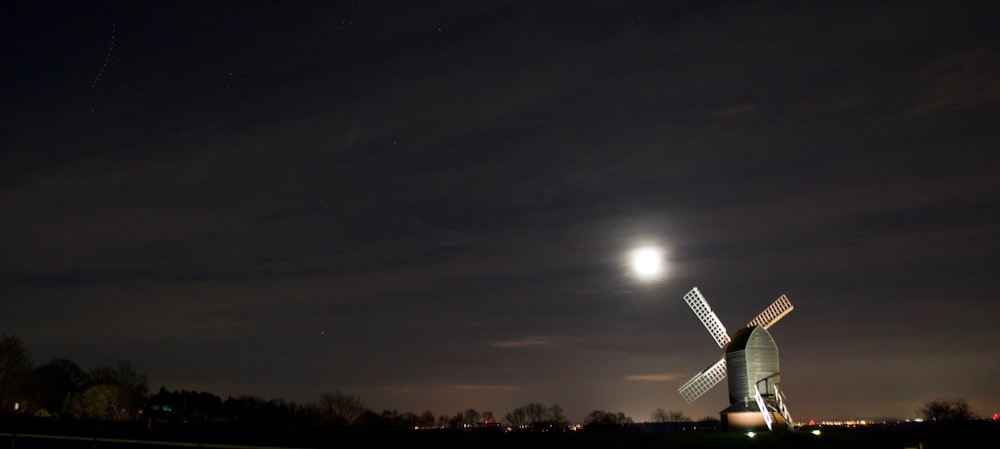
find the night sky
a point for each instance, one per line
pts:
(430, 204)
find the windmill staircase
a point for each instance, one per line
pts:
(773, 409)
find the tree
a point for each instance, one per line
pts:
(554, 417)
(123, 374)
(456, 422)
(426, 419)
(516, 418)
(130, 379)
(53, 382)
(14, 364)
(536, 415)
(471, 417)
(606, 421)
(340, 408)
(188, 406)
(108, 402)
(115, 393)
(254, 414)
(946, 410)
(669, 420)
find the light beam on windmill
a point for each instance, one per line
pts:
(750, 362)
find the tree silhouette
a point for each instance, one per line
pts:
(471, 417)
(54, 382)
(123, 374)
(426, 420)
(340, 408)
(536, 415)
(601, 420)
(946, 410)
(14, 364)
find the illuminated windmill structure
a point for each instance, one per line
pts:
(750, 362)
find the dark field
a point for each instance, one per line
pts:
(980, 434)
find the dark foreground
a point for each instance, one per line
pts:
(979, 434)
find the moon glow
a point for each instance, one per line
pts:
(647, 263)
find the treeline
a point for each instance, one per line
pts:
(62, 389)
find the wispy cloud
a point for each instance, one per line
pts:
(664, 377)
(579, 291)
(486, 387)
(522, 343)
(396, 389)
(962, 80)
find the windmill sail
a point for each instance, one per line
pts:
(701, 309)
(774, 312)
(703, 381)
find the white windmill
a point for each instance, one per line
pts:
(751, 364)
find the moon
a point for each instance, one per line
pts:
(647, 262)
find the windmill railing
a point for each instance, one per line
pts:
(763, 408)
(782, 409)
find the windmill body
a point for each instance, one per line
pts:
(751, 356)
(750, 363)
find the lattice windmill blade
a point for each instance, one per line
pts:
(774, 312)
(703, 381)
(701, 309)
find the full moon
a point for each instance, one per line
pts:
(647, 263)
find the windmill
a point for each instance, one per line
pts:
(751, 364)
